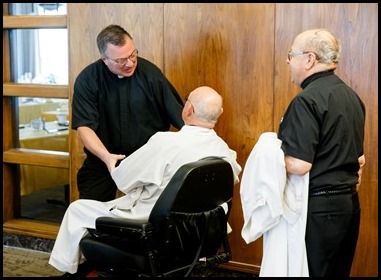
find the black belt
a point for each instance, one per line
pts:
(333, 192)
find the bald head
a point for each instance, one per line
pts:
(206, 106)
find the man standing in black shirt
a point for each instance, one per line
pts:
(119, 102)
(322, 133)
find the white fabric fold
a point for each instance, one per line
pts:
(275, 206)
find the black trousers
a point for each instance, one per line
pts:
(95, 182)
(333, 223)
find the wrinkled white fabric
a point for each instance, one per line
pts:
(275, 206)
(262, 184)
(142, 176)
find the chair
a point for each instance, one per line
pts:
(186, 226)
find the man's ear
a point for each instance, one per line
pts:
(188, 110)
(104, 59)
(312, 61)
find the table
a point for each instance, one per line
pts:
(33, 110)
(55, 138)
(55, 115)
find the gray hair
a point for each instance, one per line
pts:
(324, 44)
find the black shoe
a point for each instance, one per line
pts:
(83, 270)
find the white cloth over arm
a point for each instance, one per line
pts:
(262, 185)
(275, 206)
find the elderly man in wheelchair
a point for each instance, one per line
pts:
(177, 190)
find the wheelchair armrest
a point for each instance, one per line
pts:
(123, 227)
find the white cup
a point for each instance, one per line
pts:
(62, 117)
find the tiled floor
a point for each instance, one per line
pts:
(45, 205)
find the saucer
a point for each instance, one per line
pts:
(63, 123)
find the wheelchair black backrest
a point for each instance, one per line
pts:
(196, 187)
(187, 213)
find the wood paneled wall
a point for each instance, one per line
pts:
(240, 50)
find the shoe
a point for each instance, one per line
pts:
(83, 270)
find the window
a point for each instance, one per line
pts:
(37, 114)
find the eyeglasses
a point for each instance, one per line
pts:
(290, 54)
(186, 98)
(123, 61)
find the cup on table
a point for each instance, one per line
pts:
(62, 117)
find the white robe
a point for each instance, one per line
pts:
(274, 205)
(142, 176)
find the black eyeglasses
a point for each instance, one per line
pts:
(186, 98)
(123, 61)
(290, 54)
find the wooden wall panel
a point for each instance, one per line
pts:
(357, 27)
(230, 48)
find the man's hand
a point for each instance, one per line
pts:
(112, 161)
(361, 163)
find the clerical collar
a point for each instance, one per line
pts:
(315, 76)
